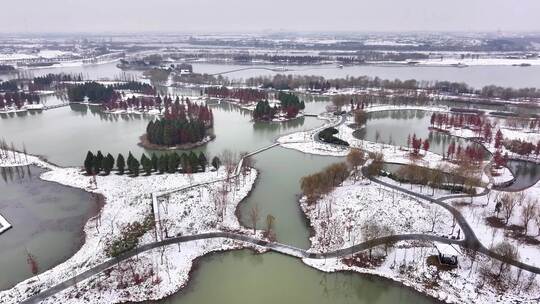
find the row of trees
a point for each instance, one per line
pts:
(241, 94)
(522, 147)
(9, 86)
(17, 99)
(471, 153)
(99, 93)
(315, 185)
(416, 143)
(188, 163)
(319, 83)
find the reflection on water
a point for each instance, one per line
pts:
(526, 173)
(394, 127)
(47, 221)
(273, 278)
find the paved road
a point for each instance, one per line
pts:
(471, 241)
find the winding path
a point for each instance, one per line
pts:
(470, 240)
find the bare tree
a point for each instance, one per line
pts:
(434, 216)
(370, 231)
(508, 202)
(254, 216)
(528, 212)
(356, 158)
(270, 220)
(229, 160)
(340, 100)
(507, 252)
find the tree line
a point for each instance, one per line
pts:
(99, 93)
(241, 94)
(319, 83)
(187, 163)
(17, 99)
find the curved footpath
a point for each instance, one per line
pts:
(470, 242)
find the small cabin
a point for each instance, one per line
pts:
(447, 254)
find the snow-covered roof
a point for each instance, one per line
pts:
(447, 249)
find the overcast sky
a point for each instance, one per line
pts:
(254, 15)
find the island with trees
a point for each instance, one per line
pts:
(287, 106)
(183, 126)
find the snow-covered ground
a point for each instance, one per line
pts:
(482, 208)
(153, 274)
(406, 263)
(339, 218)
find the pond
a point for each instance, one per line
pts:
(47, 220)
(394, 127)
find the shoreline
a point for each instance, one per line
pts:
(144, 143)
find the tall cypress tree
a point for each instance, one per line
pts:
(120, 163)
(89, 163)
(154, 162)
(130, 163)
(202, 161)
(216, 162)
(107, 164)
(163, 163)
(98, 162)
(135, 167)
(146, 164)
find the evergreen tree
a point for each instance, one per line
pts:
(193, 162)
(108, 164)
(172, 166)
(154, 162)
(216, 162)
(130, 163)
(135, 167)
(120, 163)
(146, 164)
(202, 161)
(89, 163)
(98, 160)
(163, 163)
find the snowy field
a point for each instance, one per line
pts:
(339, 218)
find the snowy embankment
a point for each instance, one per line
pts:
(347, 215)
(406, 263)
(153, 274)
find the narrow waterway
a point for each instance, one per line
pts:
(526, 174)
(244, 277)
